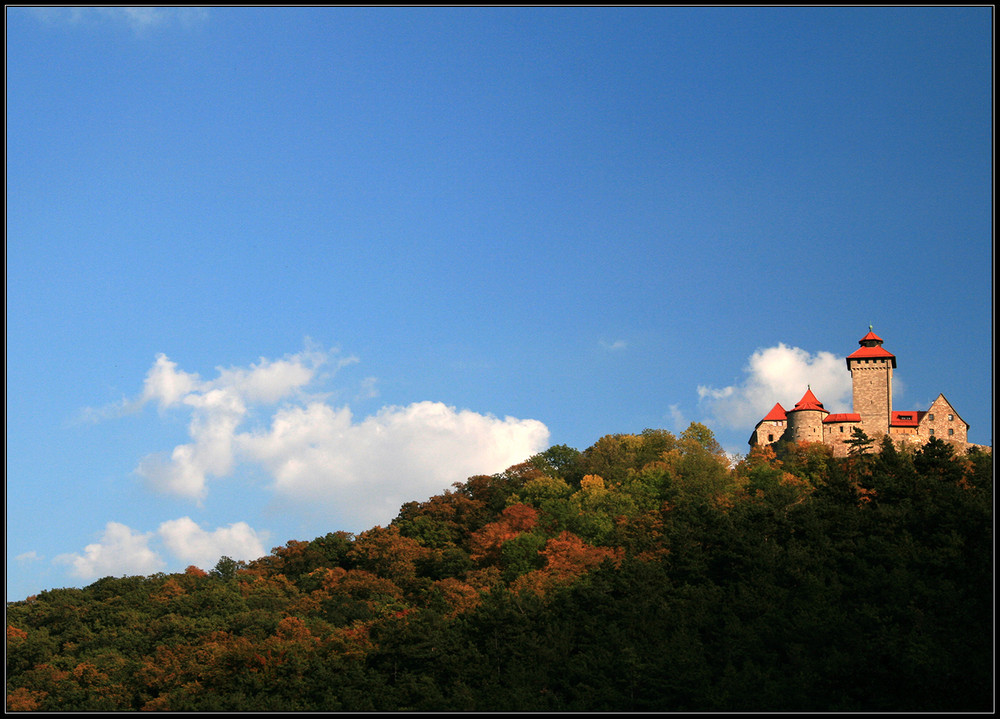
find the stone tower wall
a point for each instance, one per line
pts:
(806, 425)
(871, 380)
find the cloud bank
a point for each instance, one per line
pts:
(270, 418)
(139, 20)
(779, 374)
(317, 453)
(124, 551)
(120, 551)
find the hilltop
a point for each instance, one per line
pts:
(644, 573)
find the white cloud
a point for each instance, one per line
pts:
(369, 388)
(139, 19)
(677, 418)
(194, 545)
(614, 346)
(218, 407)
(120, 551)
(165, 384)
(779, 374)
(319, 455)
(124, 551)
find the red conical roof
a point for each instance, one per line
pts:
(808, 401)
(870, 337)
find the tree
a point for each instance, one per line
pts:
(226, 568)
(859, 443)
(387, 553)
(513, 521)
(558, 461)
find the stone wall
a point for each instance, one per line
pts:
(871, 381)
(805, 425)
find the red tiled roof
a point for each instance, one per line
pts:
(777, 413)
(870, 336)
(878, 351)
(905, 419)
(808, 401)
(842, 417)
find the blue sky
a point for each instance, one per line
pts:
(273, 272)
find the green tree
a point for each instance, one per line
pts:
(859, 443)
(226, 568)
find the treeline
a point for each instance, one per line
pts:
(645, 573)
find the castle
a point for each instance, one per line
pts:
(871, 367)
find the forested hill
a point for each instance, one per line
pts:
(643, 573)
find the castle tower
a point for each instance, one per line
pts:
(805, 421)
(871, 379)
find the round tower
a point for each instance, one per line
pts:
(871, 379)
(805, 421)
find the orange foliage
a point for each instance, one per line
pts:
(15, 635)
(387, 553)
(330, 576)
(762, 455)
(461, 597)
(568, 555)
(361, 584)
(159, 704)
(566, 558)
(864, 494)
(195, 571)
(25, 700)
(514, 520)
(293, 628)
(170, 589)
(274, 585)
(86, 674)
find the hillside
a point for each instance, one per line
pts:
(642, 574)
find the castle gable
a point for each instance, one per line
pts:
(777, 414)
(942, 421)
(771, 428)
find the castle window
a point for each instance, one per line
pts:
(841, 428)
(932, 431)
(951, 417)
(930, 417)
(770, 438)
(951, 431)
